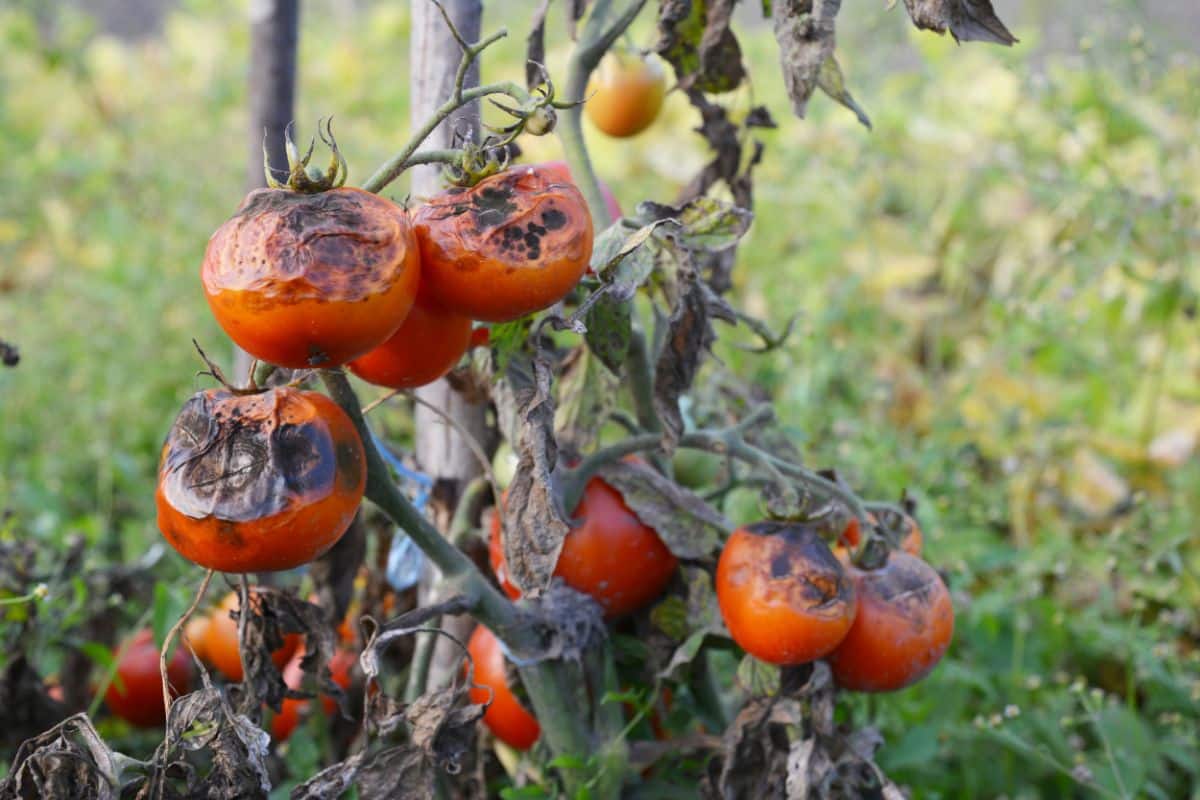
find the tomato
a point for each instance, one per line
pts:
(513, 244)
(625, 94)
(783, 595)
(912, 543)
(312, 280)
(743, 505)
(562, 171)
(138, 699)
(504, 465)
(904, 625)
(195, 635)
(220, 640)
(260, 482)
(480, 337)
(697, 469)
(340, 667)
(426, 347)
(608, 554)
(506, 718)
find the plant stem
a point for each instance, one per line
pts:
(418, 674)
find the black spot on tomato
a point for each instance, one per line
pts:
(553, 219)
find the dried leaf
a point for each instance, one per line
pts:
(967, 20)
(535, 46)
(701, 224)
(333, 573)
(804, 30)
(690, 527)
(755, 748)
(274, 613)
(69, 760)
(689, 337)
(833, 83)
(694, 36)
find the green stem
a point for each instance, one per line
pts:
(418, 675)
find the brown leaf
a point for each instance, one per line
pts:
(535, 46)
(69, 760)
(804, 30)
(695, 37)
(333, 573)
(443, 724)
(967, 20)
(690, 527)
(534, 522)
(274, 613)
(755, 747)
(689, 337)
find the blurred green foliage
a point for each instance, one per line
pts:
(996, 291)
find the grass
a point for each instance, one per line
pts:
(996, 291)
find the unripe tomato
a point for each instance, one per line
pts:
(562, 171)
(696, 469)
(261, 482)
(783, 595)
(912, 542)
(138, 699)
(608, 553)
(506, 718)
(340, 666)
(312, 280)
(904, 624)
(743, 505)
(512, 244)
(625, 94)
(504, 465)
(220, 641)
(426, 347)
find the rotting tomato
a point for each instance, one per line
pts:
(426, 347)
(340, 667)
(609, 553)
(625, 94)
(512, 244)
(562, 171)
(904, 624)
(259, 482)
(912, 542)
(506, 717)
(312, 280)
(135, 694)
(783, 595)
(220, 640)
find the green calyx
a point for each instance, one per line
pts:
(303, 177)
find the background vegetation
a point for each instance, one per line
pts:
(996, 294)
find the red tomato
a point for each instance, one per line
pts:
(506, 718)
(139, 699)
(427, 346)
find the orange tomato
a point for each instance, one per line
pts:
(514, 243)
(904, 624)
(138, 698)
(261, 482)
(506, 718)
(426, 347)
(312, 280)
(783, 595)
(219, 641)
(912, 543)
(625, 94)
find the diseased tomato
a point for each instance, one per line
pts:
(135, 694)
(608, 554)
(506, 718)
(220, 640)
(340, 667)
(783, 595)
(625, 93)
(260, 482)
(512, 244)
(912, 542)
(904, 624)
(562, 171)
(312, 280)
(426, 347)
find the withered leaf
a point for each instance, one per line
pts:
(754, 752)
(229, 748)
(274, 613)
(804, 30)
(609, 331)
(690, 527)
(967, 20)
(443, 724)
(534, 522)
(334, 572)
(689, 337)
(587, 391)
(701, 224)
(68, 760)
(695, 38)
(535, 46)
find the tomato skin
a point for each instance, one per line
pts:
(427, 346)
(912, 543)
(783, 595)
(139, 701)
(562, 171)
(625, 94)
(904, 625)
(514, 243)
(220, 641)
(260, 482)
(506, 718)
(340, 666)
(608, 554)
(312, 280)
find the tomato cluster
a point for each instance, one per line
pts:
(788, 599)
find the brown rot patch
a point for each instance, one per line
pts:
(794, 563)
(493, 205)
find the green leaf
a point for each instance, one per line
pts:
(670, 617)
(506, 339)
(758, 677)
(831, 81)
(609, 330)
(704, 224)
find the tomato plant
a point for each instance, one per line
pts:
(784, 597)
(259, 482)
(136, 692)
(627, 92)
(512, 244)
(505, 717)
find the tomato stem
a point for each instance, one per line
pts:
(171, 634)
